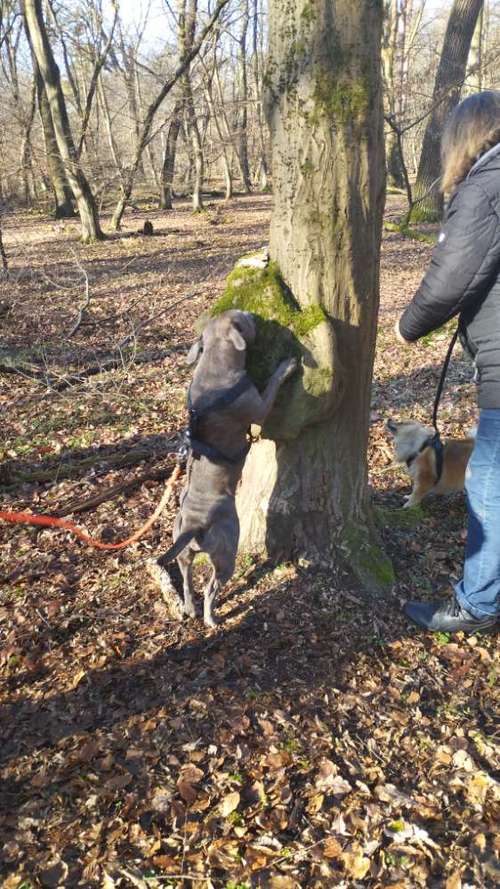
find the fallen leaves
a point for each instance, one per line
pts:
(229, 803)
(314, 740)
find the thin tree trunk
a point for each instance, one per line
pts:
(94, 80)
(153, 108)
(226, 164)
(448, 85)
(194, 136)
(243, 116)
(84, 198)
(63, 197)
(109, 130)
(168, 168)
(227, 127)
(26, 148)
(263, 175)
(305, 490)
(3, 255)
(390, 45)
(476, 55)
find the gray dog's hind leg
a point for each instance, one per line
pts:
(222, 572)
(211, 590)
(185, 563)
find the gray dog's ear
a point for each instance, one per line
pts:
(195, 351)
(237, 339)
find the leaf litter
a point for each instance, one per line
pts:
(314, 739)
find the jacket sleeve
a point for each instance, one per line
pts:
(464, 263)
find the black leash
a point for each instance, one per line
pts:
(442, 378)
(435, 441)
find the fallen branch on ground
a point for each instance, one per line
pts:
(84, 505)
(71, 468)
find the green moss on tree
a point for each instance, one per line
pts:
(339, 98)
(281, 323)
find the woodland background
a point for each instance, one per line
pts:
(314, 739)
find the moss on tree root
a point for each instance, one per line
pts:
(366, 557)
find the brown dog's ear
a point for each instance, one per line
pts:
(236, 338)
(195, 351)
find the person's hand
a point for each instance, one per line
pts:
(399, 335)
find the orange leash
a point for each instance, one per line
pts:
(26, 518)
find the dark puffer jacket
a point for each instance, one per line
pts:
(464, 275)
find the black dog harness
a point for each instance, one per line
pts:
(434, 442)
(193, 444)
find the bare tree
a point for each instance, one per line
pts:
(49, 71)
(305, 489)
(168, 166)
(243, 111)
(153, 108)
(448, 84)
(63, 197)
(187, 27)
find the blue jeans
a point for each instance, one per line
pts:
(479, 590)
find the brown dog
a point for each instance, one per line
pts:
(413, 446)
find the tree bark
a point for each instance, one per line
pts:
(194, 136)
(168, 167)
(243, 116)
(263, 171)
(304, 491)
(49, 71)
(450, 77)
(63, 197)
(390, 42)
(188, 10)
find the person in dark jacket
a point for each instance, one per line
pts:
(464, 279)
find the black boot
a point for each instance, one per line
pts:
(447, 617)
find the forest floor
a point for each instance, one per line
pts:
(315, 738)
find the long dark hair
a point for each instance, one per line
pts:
(472, 129)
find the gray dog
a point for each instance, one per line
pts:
(222, 403)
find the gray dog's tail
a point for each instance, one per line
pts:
(180, 544)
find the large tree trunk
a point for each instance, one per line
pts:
(63, 197)
(304, 491)
(84, 198)
(168, 167)
(450, 77)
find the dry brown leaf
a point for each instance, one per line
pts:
(187, 791)
(454, 881)
(229, 803)
(356, 865)
(477, 789)
(315, 803)
(332, 848)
